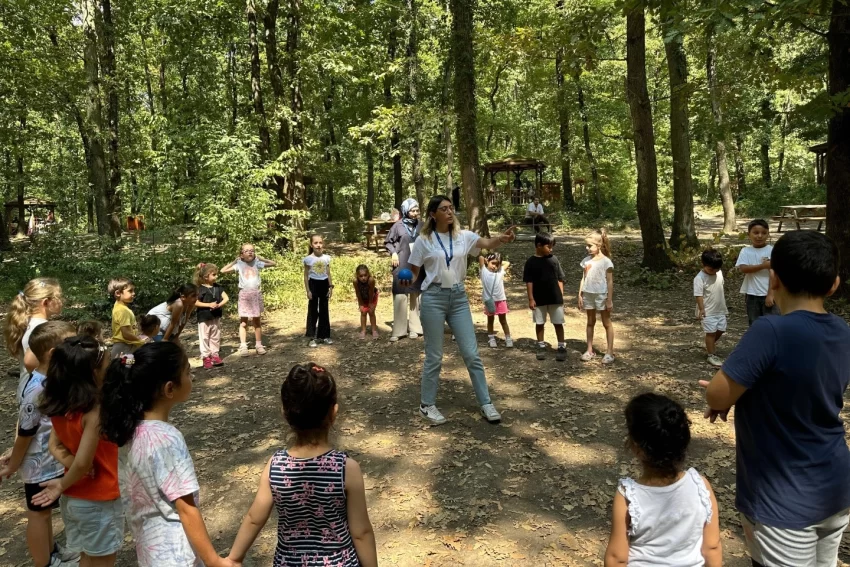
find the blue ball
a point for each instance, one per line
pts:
(405, 275)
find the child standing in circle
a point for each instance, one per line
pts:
(30, 455)
(159, 487)
(711, 302)
(492, 276)
(40, 300)
(544, 281)
(667, 516)
(754, 263)
(91, 503)
(320, 288)
(211, 298)
(248, 264)
(317, 490)
(596, 292)
(367, 299)
(125, 331)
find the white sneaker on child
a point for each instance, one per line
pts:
(509, 342)
(64, 554)
(492, 341)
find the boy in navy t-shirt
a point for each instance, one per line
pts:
(786, 379)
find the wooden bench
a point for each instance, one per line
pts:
(375, 239)
(801, 214)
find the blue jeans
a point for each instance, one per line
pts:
(439, 306)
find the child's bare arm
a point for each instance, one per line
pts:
(30, 361)
(229, 267)
(362, 533)
(753, 268)
(16, 457)
(701, 306)
(609, 277)
(617, 552)
(712, 550)
(267, 262)
(224, 299)
(529, 287)
(307, 281)
(255, 519)
(59, 451)
(196, 532)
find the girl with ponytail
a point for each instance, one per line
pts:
(40, 300)
(667, 516)
(158, 482)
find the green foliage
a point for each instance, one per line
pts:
(764, 201)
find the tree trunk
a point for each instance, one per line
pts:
(21, 179)
(295, 189)
(491, 96)
(412, 97)
(463, 57)
(712, 177)
(564, 133)
(370, 183)
(588, 151)
(5, 243)
(94, 117)
(740, 174)
(447, 130)
(233, 92)
(256, 81)
(838, 141)
(395, 143)
(113, 198)
(332, 150)
(654, 246)
(783, 132)
(275, 73)
(683, 233)
(729, 225)
(765, 136)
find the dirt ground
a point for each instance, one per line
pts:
(534, 490)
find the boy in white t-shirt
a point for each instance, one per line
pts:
(711, 302)
(754, 263)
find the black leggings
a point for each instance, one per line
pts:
(318, 319)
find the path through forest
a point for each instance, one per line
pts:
(534, 490)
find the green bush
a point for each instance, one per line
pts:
(763, 201)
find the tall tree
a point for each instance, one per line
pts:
(564, 132)
(588, 150)
(683, 233)
(412, 95)
(766, 115)
(256, 81)
(395, 142)
(838, 139)
(729, 224)
(654, 247)
(463, 57)
(106, 31)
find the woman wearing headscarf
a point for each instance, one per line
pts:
(399, 243)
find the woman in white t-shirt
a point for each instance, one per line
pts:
(442, 249)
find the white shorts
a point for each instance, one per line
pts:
(714, 323)
(555, 312)
(594, 301)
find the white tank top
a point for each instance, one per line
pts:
(667, 522)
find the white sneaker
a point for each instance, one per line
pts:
(328, 341)
(413, 336)
(432, 414)
(313, 344)
(490, 414)
(715, 360)
(394, 339)
(509, 342)
(56, 562)
(492, 341)
(608, 359)
(243, 349)
(64, 555)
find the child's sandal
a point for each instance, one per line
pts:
(261, 349)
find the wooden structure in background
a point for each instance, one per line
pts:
(820, 162)
(512, 166)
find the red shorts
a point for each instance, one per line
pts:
(372, 305)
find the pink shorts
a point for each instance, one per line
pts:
(250, 303)
(501, 309)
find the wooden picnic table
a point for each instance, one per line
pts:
(376, 230)
(799, 214)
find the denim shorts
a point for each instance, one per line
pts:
(93, 527)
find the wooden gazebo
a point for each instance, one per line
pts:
(820, 162)
(30, 206)
(514, 165)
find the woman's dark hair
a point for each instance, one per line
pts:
(134, 383)
(149, 323)
(308, 395)
(186, 289)
(431, 223)
(659, 427)
(70, 386)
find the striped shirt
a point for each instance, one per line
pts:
(309, 495)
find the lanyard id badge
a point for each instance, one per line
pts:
(447, 277)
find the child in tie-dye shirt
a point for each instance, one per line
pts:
(317, 490)
(157, 477)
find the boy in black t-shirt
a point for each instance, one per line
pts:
(544, 279)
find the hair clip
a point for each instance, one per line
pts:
(41, 283)
(128, 359)
(318, 369)
(21, 294)
(201, 265)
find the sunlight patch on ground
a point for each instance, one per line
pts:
(210, 410)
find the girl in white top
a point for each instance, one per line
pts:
(596, 291)
(442, 249)
(319, 285)
(667, 517)
(250, 301)
(493, 290)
